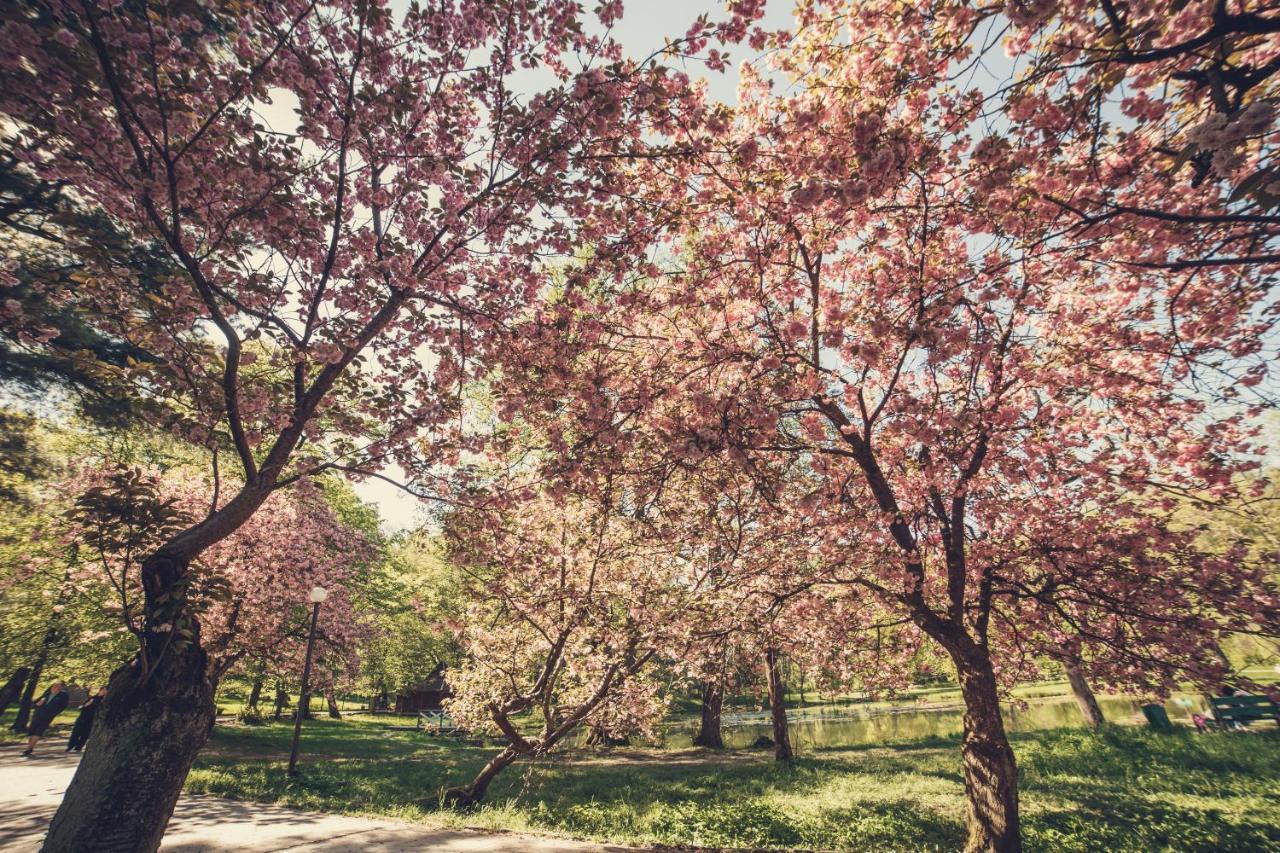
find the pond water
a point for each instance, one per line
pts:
(851, 726)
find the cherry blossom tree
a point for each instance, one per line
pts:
(573, 599)
(269, 565)
(248, 592)
(1174, 104)
(336, 275)
(865, 283)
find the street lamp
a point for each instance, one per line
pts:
(317, 596)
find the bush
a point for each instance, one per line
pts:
(251, 717)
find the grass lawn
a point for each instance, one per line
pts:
(1122, 789)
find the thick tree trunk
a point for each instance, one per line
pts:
(777, 708)
(467, 796)
(147, 733)
(332, 702)
(255, 693)
(138, 755)
(13, 687)
(28, 697)
(990, 774)
(709, 734)
(1088, 703)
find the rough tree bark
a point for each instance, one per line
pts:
(13, 687)
(28, 697)
(155, 719)
(332, 702)
(136, 759)
(467, 796)
(777, 708)
(1088, 703)
(990, 773)
(709, 734)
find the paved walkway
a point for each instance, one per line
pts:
(30, 790)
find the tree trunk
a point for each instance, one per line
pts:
(28, 697)
(13, 687)
(467, 796)
(138, 755)
(158, 714)
(282, 699)
(777, 708)
(709, 734)
(990, 774)
(332, 702)
(1088, 703)
(255, 693)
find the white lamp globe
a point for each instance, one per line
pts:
(318, 594)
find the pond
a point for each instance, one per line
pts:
(851, 726)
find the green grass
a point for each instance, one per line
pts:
(1121, 789)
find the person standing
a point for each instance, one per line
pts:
(48, 706)
(84, 722)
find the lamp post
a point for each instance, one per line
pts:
(317, 596)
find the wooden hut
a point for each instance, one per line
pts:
(427, 695)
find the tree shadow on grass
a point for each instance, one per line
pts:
(1139, 825)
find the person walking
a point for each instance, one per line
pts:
(51, 704)
(84, 722)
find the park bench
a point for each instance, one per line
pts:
(1236, 711)
(437, 723)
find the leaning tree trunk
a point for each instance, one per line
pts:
(709, 733)
(466, 796)
(148, 733)
(1088, 703)
(777, 708)
(13, 687)
(990, 773)
(255, 693)
(28, 697)
(332, 702)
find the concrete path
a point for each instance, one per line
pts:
(30, 790)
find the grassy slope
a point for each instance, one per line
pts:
(1121, 789)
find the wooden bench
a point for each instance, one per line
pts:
(1235, 711)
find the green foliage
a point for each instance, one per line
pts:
(251, 717)
(101, 374)
(46, 612)
(1254, 526)
(411, 598)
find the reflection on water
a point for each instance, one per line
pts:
(852, 726)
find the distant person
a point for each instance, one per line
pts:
(84, 722)
(52, 703)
